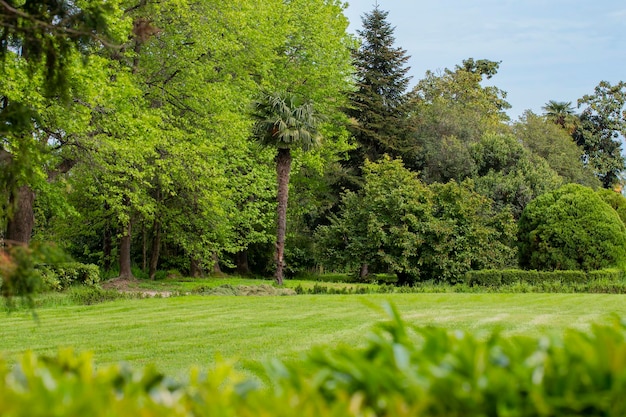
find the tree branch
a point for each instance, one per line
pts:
(59, 30)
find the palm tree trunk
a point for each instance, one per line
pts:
(283, 169)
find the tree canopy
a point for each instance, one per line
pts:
(157, 135)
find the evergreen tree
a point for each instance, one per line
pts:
(378, 105)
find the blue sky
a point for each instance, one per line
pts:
(550, 49)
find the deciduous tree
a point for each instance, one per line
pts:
(449, 112)
(551, 142)
(602, 123)
(396, 223)
(47, 51)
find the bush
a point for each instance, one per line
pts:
(614, 199)
(61, 276)
(571, 229)
(20, 270)
(400, 371)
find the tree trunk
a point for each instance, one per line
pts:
(194, 268)
(243, 267)
(107, 241)
(405, 279)
(144, 247)
(125, 271)
(156, 248)
(283, 169)
(364, 272)
(216, 265)
(20, 225)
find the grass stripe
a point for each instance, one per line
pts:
(180, 332)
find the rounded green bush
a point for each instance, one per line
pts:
(571, 228)
(615, 200)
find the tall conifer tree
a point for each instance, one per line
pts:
(378, 106)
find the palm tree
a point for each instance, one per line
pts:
(284, 121)
(561, 113)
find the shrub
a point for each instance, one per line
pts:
(20, 270)
(466, 234)
(64, 275)
(614, 199)
(571, 228)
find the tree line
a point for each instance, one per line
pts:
(261, 137)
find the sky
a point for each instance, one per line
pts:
(550, 49)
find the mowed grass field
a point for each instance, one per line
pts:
(178, 333)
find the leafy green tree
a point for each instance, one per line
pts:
(47, 52)
(448, 113)
(398, 224)
(285, 122)
(181, 84)
(378, 104)
(547, 140)
(382, 225)
(483, 67)
(47, 34)
(571, 228)
(253, 204)
(469, 234)
(602, 123)
(510, 174)
(192, 73)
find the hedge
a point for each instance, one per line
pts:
(495, 278)
(401, 371)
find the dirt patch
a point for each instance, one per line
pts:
(244, 290)
(131, 285)
(121, 284)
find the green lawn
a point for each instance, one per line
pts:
(177, 333)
